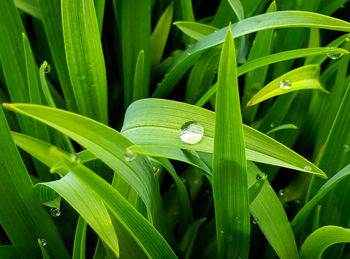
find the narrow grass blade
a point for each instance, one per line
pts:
(229, 180)
(85, 58)
(189, 238)
(81, 198)
(255, 189)
(301, 216)
(29, 6)
(152, 243)
(138, 83)
(80, 240)
(104, 142)
(52, 22)
(314, 246)
(281, 19)
(158, 121)
(281, 127)
(195, 30)
(160, 35)
(100, 9)
(135, 36)
(302, 78)
(27, 221)
(45, 68)
(237, 7)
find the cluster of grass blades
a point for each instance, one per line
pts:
(174, 129)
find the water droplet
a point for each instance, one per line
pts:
(191, 132)
(335, 55)
(346, 148)
(55, 212)
(286, 84)
(43, 242)
(308, 168)
(272, 125)
(47, 67)
(255, 220)
(281, 193)
(188, 53)
(222, 232)
(130, 156)
(75, 158)
(238, 219)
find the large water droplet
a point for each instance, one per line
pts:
(308, 168)
(43, 242)
(75, 158)
(335, 55)
(130, 156)
(55, 212)
(191, 132)
(286, 84)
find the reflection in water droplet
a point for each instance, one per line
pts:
(130, 156)
(307, 168)
(286, 84)
(335, 55)
(43, 242)
(281, 193)
(191, 132)
(75, 158)
(55, 212)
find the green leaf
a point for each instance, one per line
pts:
(27, 221)
(80, 240)
(229, 180)
(100, 9)
(281, 19)
(314, 246)
(305, 77)
(104, 142)
(237, 7)
(255, 189)
(29, 6)
(138, 88)
(158, 121)
(282, 127)
(85, 58)
(190, 236)
(152, 243)
(160, 35)
(195, 30)
(8, 251)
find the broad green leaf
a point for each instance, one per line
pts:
(301, 216)
(78, 195)
(27, 221)
(104, 142)
(170, 153)
(85, 58)
(8, 251)
(195, 30)
(160, 35)
(305, 77)
(281, 19)
(314, 246)
(29, 6)
(52, 21)
(80, 240)
(152, 243)
(133, 40)
(229, 177)
(158, 121)
(282, 127)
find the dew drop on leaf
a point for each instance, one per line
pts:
(130, 156)
(346, 148)
(55, 212)
(334, 55)
(308, 168)
(75, 158)
(286, 84)
(191, 132)
(43, 242)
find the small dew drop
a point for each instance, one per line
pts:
(346, 148)
(130, 156)
(238, 219)
(335, 55)
(43, 242)
(281, 193)
(55, 212)
(47, 67)
(286, 84)
(75, 158)
(272, 125)
(222, 232)
(191, 132)
(308, 168)
(255, 221)
(188, 53)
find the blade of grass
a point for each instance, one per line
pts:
(27, 221)
(314, 246)
(8, 251)
(85, 58)
(158, 121)
(138, 91)
(100, 9)
(195, 30)
(281, 19)
(230, 186)
(29, 6)
(80, 240)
